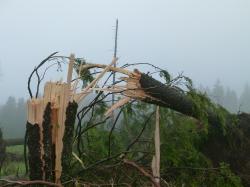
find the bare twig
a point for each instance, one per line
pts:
(142, 130)
(35, 71)
(111, 131)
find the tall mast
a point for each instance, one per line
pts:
(114, 57)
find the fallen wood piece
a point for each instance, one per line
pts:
(93, 83)
(28, 183)
(145, 88)
(118, 104)
(112, 68)
(142, 171)
(156, 157)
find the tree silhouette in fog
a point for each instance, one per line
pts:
(13, 117)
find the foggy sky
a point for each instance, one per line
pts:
(206, 39)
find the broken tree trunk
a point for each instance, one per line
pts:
(173, 98)
(46, 134)
(228, 133)
(34, 138)
(224, 129)
(48, 117)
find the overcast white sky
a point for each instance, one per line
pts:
(207, 39)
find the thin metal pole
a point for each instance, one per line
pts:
(114, 56)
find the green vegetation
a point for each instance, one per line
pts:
(194, 152)
(17, 149)
(183, 160)
(14, 162)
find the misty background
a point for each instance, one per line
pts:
(207, 40)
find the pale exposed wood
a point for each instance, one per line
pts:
(118, 104)
(40, 112)
(76, 82)
(35, 111)
(131, 89)
(115, 69)
(70, 74)
(114, 89)
(62, 102)
(70, 68)
(58, 94)
(93, 83)
(156, 157)
(78, 159)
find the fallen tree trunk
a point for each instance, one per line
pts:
(143, 87)
(228, 134)
(188, 103)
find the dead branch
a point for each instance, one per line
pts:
(35, 71)
(142, 130)
(94, 82)
(27, 183)
(111, 131)
(114, 69)
(156, 157)
(141, 170)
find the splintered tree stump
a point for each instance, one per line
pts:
(68, 140)
(47, 115)
(34, 156)
(50, 127)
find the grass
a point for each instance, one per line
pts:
(12, 167)
(16, 149)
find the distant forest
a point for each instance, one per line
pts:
(228, 97)
(13, 118)
(13, 112)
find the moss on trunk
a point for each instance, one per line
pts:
(47, 143)
(34, 156)
(68, 140)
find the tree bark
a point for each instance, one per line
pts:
(33, 142)
(68, 140)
